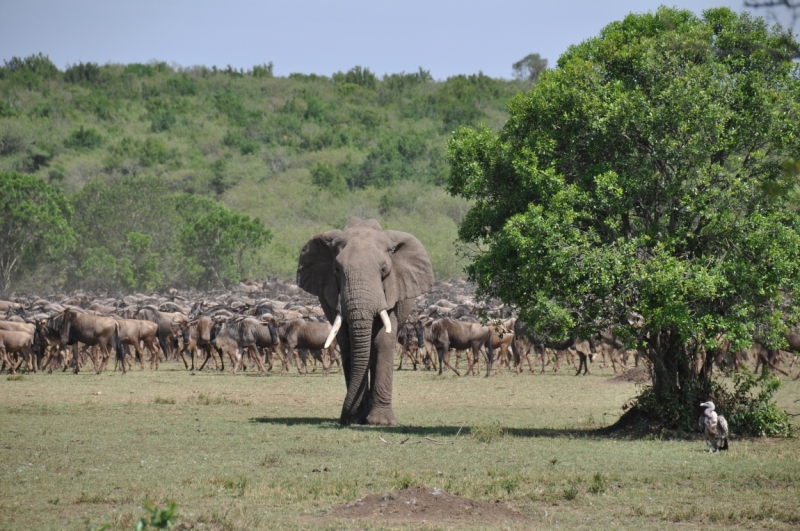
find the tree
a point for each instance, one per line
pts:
(529, 67)
(643, 175)
(34, 224)
(126, 234)
(218, 244)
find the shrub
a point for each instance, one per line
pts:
(264, 70)
(362, 77)
(751, 409)
(157, 518)
(6, 110)
(598, 484)
(162, 120)
(328, 178)
(182, 85)
(84, 139)
(82, 73)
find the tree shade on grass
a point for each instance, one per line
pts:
(645, 173)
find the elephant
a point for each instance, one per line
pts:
(366, 279)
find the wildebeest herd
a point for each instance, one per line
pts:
(261, 322)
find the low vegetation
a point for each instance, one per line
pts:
(243, 452)
(125, 143)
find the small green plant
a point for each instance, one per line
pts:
(487, 434)
(241, 485)
(160, 400)
(510, 485)
(203, 399)
(598, 484)
(405, 482)
(157, 518)
(571, 492)
(270, 461)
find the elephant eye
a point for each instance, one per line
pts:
(383, 270)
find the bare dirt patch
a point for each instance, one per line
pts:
(636, 375)
(424, 504)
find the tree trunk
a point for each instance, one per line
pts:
(678, 385)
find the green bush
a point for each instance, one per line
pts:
(182, 85)
(85, 139)
(328, 178)
(362, 77)
(751, 408)
(262, 71)
(82, 73)
(6, 110)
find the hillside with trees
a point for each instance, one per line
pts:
(153, 159)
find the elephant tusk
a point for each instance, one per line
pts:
(386, 322)
(337, 324)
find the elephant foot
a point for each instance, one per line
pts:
(381, 417)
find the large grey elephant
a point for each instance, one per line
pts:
(366, 279)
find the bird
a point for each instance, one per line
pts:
(714, 427)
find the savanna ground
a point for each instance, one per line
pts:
(247, 452)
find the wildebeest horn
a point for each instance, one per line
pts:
(386, 322)
(337, 324)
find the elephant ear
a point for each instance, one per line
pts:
(412, 273)
(315, 268)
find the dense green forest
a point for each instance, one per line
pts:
(143, 151)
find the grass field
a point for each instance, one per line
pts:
(247, 452)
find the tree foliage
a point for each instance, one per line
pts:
(529, 67)
(217, 243)
(643, 175)
(34, 224)
(308, 146)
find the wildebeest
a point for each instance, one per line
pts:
(245, 335)
(307, 336)
(17, 342)
(74, 325)
(446, 334)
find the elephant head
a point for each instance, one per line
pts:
(365, 277)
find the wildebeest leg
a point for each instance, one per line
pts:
(138, 354)
(489, 357)
(253, 350)
(327, 357)
(775, 355)
(183, 357)
(583, 364)
(235, 357)
(301, 359)
(267, 351)
(443, 351)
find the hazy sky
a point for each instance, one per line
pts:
(446, 37)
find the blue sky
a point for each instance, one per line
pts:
(444, 36)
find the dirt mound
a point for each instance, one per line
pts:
(424, 504)
(637, 375)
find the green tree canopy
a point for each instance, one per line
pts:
(529, 67)
(218, 244)
(644, 174)
(34, 224)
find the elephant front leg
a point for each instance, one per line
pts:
(380, 401)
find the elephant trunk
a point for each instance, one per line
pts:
(360, 345)
(362, 300)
